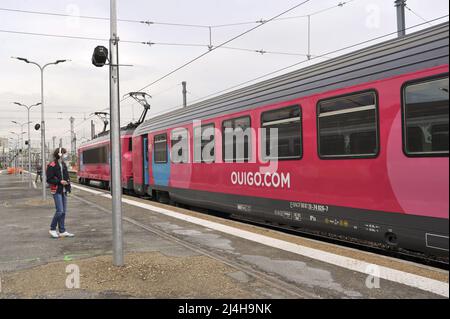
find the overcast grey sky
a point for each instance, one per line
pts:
(77, 88)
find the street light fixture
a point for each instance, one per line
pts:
(21, 143)
(17, 150)
(11, 150)
(11, 141)
(42, 68)
(29, 139)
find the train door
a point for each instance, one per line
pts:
(146, 162)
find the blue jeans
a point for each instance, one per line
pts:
(60, 215)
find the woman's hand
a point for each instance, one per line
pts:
(64, 182)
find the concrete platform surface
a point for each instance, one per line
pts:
(165, 257)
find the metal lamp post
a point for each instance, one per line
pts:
(11, 158)
(17, 149)
(21, 143)
(28, 107)
(42, 68)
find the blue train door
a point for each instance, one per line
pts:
(146, 165)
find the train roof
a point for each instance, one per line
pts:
(104, 136)
(422, 49)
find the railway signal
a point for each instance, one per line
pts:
(100, 56)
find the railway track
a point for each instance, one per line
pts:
(354, 243)
(291, 289)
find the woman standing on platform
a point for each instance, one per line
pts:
(59, 181)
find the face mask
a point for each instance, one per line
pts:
(65, 156)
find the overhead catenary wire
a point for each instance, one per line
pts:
(327, 54)
(65, 15)
(339, 5)
(262, 51)
(417, 15)
(318, 56)
(220, 45)
(38, 118)
(166, 90)
(210, 47)
(174, 24)
(46, 112)
(199, 45)
(79, 124)
(56, 35)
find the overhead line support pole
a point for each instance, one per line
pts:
(116, 184)
(401, 23)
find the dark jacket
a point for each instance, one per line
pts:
(54, 177)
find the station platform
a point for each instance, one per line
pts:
(177, 253)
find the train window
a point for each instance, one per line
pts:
(425, 112)
(160, 148)
(204, 135)
(98, 155)
(237, 140)
(130, 144)
(348, 126)
(287, 121)
(180, 146)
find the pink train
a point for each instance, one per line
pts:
(363, 145)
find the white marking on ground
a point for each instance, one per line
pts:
(91, 191)
(34, 182)
(394, 275)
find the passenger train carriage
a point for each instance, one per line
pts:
(94, 160)
(362, 147)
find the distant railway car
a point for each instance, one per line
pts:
(362, 147)
(94, 160)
